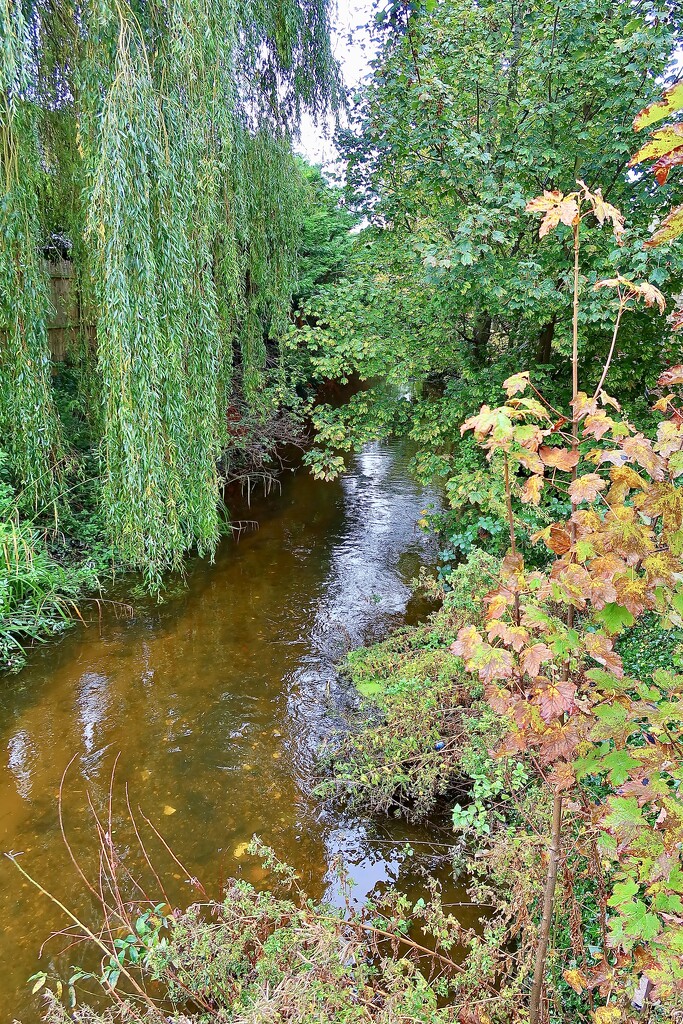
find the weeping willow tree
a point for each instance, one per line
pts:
(155, 136)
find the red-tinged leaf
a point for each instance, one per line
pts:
(670, 228)
(533, 657)
(674, 375)
(491, 663)
(639, 449)
(558, 741)
(561, 779)
(512, 568)
(671, 101)
(601, 649)
(497, 604)
(662, 404)
(597, 425)
(604, 211)
(516, 384)
(583, 405)
(586, 488)
(602, 592)
(559, 539)
(531, 492)
(512, 636)
(664, 165)
(468, 640)
(608, 400)
(662, 141)
(499, 698)
(530, 461)
(605, 567)
(559, 458)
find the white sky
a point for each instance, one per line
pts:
(352, 49)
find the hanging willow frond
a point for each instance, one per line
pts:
(156, 137)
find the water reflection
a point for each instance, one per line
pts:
(215, 702)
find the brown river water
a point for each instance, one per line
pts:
(216, 701)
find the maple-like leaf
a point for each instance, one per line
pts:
(531, 492)
(558, 539)
(605, 211)
(468, 640)
(516, 384)
(608, 400)
(671, 101)
(561, 779)
(555, 699)
(556, 208)
(602, 592)
(650, 295)
(632, 592)
(586, 488)
(583, 405)
(601, 649)
(669, 438)
(576, 979)
(670, 228)
(662, 141)
(674, 375)
(531, 461)
(490, 662)
(533, 657)
(639, 449)
(558, 741)
(664, 165)
(512, 636)
(559, 458)
(597, 424)
(497, 604)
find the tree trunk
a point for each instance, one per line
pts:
(481, 336)
(545, 342)
(548, 907)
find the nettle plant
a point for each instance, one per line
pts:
(608, 746)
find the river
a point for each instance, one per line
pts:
(215, 701)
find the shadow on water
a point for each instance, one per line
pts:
(216, 701)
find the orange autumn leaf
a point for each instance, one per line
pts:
(586, 488)
(559, 458)
(531, 492)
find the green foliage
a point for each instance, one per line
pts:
(470, 109)
(325, 242)
(161, 150)
(38, 594)
(419, 715)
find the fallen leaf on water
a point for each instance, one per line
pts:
(240, 850)
(168, 810)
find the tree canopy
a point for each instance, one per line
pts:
(470, 110)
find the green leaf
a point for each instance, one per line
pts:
(614, 617)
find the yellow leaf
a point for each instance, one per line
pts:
(168, 810)
(576, 979)
(240, 850)
(671, 101)
(608, 1015)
